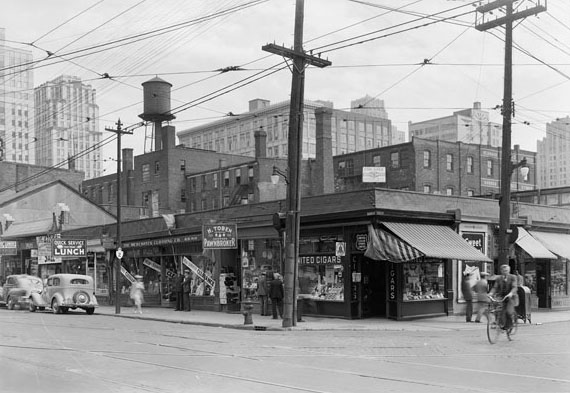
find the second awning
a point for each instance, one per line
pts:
(558, 243)
(532, 246)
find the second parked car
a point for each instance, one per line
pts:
(66, 291)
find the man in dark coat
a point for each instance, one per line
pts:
(276, 295)
(468, 296)
(187, 288)
(179, 292)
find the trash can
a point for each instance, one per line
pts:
(523, 309)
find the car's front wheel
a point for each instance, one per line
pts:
(10, 303)
(55, 307)
(90, 311)
(32, 307)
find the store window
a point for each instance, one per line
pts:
(323, 280)
(424, 281)
(259, 256)
(559, 277)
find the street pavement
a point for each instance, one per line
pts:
(235, 320)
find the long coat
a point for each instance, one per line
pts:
(276, 289)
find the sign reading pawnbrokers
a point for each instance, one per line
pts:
(69, 248)
(219, 236)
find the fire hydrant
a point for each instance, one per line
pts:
(247, 311)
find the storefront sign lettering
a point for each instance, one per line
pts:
(69, 248)
(152, 264)
(8, 248)
(219, 236)
(199, 272)
(361, 241)
(320, 260)
(128, 275)
(392, 284)
(161, 241)
(475, 239)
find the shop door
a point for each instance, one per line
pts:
(373, 288)
(543, 284)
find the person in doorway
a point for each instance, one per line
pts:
(467, 296)
(481, 288)
(506, 287)
(276, 295)
(186, 288)
(179, 292)
(136, 294)
(262, 293)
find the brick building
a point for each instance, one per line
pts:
(432, 166)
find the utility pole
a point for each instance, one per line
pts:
(507, 167)
(294, 159)
(119, 250)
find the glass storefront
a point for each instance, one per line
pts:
(257, 256)
(424, 281)
(323, 281)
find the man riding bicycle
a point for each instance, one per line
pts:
(506, 287)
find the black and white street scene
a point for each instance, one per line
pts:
(313, 196)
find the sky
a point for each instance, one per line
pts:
(377, 48)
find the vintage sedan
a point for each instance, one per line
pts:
(66, 291)
(18, 288)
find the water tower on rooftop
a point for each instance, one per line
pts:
(156, 93)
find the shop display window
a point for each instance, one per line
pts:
(423, 281)
(559, 277)
(530, 276)
(203, 283)
(258, 256)
(321, 282)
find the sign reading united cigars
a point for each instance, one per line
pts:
(219, 236)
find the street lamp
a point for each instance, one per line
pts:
(275, 176)
(505, 207)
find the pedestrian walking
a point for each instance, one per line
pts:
(179, 292)
(136, 294)
(467, 296)
(481, 288)
(262, 293)
(186, 288)
(276, 295)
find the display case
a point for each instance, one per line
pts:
(423, 281)
(321, 282)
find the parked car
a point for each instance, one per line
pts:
(64, 291)
(18, 288)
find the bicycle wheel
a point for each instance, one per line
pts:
(493, 329)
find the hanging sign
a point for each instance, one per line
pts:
(219, 236)
(199, 272)
(128, 275)
(152, 264)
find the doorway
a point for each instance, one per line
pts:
(373, 288)
(543, 284)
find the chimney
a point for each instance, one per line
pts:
(168, 137)
(260, 144)
(128, 164)
(258, 103)
(477, 105)
(323, 178)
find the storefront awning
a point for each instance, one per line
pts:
(384, 247)
(558, 243)
(436, 241)
(532, 246)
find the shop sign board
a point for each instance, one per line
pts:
(392, 283)
(475, 239)
(199, 272)
(374, 174)
(219, 236)
(45, 246)
(152, 264)
(128, 275)
(8, 248)
(69, 248)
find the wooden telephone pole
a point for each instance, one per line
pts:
(294, 155)
(507, 167)
(119, 251)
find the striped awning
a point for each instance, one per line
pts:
(532, 246)
(436, 241)
(383, 246)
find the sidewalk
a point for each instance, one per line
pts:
(236, 320)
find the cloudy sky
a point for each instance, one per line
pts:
(377, 48)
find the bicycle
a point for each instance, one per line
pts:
(496, 322)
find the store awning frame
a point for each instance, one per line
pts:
(558, 243)
(383, 246)
(436, 241)
(531, 246)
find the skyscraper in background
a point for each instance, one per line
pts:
(16, 104)
(553, 155)
(67, 126)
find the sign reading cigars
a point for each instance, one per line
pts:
(219, 236)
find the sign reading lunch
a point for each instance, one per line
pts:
(69, 248)
(219, 236)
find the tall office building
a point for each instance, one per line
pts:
(468, 126)
(67, 126)
(16, 104)
(350, 131)
(553, 155)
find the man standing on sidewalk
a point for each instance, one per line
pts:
(179, 292)
(187, 288)
(276, 295)
(262, 293)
